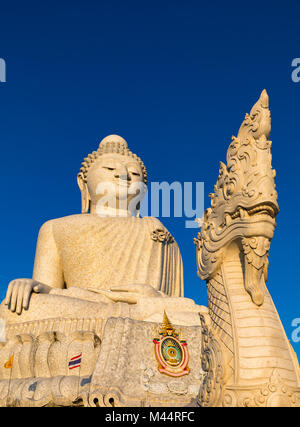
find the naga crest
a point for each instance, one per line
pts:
(244, 203)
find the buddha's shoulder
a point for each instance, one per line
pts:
(152, 222)
(82, 220)
(155, 226)
(65, 221)
(158, 231)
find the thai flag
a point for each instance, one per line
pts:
(75, 362)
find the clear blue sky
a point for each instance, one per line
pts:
(175, 79)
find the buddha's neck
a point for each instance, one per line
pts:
(107, 211)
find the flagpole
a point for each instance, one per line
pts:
(79, 380)
(76, 360)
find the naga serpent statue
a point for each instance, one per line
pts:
(246, 354)
(104, 321)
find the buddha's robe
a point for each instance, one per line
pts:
(88, 251)
(82, 252)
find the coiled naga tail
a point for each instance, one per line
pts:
(246, 356)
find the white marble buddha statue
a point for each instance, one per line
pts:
(106, 259)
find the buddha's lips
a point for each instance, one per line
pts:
(123, 183)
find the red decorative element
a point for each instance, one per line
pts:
(177, 371)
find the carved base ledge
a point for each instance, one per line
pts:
(273, 394)
(118, 367)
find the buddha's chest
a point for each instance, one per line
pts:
(99, 254)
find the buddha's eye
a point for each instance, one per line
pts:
(134, 173)
(109, 168)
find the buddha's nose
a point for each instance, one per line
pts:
(121, 173)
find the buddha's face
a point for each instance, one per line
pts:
(117, 176)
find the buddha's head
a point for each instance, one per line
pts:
(111, 177)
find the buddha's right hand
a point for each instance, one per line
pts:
(19, 291)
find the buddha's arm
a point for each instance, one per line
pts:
(47, 265)
(130, 293)
(47, 272)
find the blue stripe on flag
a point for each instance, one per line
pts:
(75, 362)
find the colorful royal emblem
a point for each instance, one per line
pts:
(171, 350)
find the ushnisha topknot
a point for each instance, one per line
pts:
(110, 144)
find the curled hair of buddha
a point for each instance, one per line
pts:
(110, 144)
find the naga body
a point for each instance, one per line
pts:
(246, 354)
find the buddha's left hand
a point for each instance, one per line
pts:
(129, 293)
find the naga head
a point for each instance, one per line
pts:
(244, 203)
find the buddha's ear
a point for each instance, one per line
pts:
(85, 197)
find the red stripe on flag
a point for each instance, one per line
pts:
(74, 366)
(76, 357)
